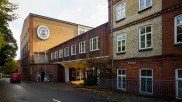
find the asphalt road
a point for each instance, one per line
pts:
(28, 92)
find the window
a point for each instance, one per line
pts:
(120, 11)
(178, 29)
(66, 51)
(94, 43)
(52, 56)
(143, 4)
(82, 47)
(145, 37)
(121, 79)
(61, 53)
(73, 49)
(56, 54)
(121, 42)
(146, 85)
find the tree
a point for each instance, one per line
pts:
(7, 13)
(10, 67)
(9, 48)
(2, 41)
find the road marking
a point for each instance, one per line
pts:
(56, 100)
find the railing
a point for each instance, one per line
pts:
(164, 88)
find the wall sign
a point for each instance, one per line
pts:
(43, 32)
(131, 62)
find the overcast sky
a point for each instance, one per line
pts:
(86, 12)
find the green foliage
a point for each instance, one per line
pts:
(10, 67)
(6, 13)
(90, 81)
(9, 48)
(2, 41)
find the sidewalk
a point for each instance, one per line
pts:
(101, 94)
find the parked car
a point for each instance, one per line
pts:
(15, 77)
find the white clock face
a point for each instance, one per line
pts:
(43, 32)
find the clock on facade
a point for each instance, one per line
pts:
(43, 32)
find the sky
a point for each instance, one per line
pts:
(86, 12)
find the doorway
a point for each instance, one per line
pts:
(42, 76)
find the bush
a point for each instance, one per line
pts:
(90, 81)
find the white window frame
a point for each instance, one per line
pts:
(145, 4)
(61, 53)
(92, 44)
(72, 48)
(146, 37)
(122, 76)
(56, 54)
(82, 47)
(66, 54)
(175, 29)
(123, 39)
(120, 11)
(177, 82)
(146, 77)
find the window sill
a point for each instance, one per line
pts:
(144, 9)
(94, 50)
(178, 44)
(147, 49)
(120, 20)
(118, 53)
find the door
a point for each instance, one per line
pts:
(179, 83)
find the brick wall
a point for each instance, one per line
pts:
(101, 31)
(168, 34)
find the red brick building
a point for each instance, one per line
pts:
(147, 39)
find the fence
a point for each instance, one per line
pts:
(141, 87)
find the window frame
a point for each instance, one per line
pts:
(92, 43)
(74, 45)
(122, 88)
(146, 37)
(140, 86)
(66, 54)
(121, 42)
(145, 5)
(61, 53)
(56, 54)
(81, 51)
(117, 6)
(175, 29)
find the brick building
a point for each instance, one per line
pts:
(40, 33)
(71, 55)
(147, 46)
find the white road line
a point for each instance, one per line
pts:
(56, 100)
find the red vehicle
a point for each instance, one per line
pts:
(15, 77)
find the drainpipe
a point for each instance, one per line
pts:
(112, 44)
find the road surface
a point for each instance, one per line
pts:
(28, 92)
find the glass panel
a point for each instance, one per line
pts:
(149, 85)
(123, 72)
(142, 30)
(123, 45)
(149, 72)
(142, 37)
(124, 82)
(143, 73)
(142, 44)
(148, 3)
(179, 29)
(180, 88)
(179, 20)
(180, 74)
(119, 46)
(119, 72)
(149, 44)
(148, 36)
(148, 29)
(143, 84)
(119, 81)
